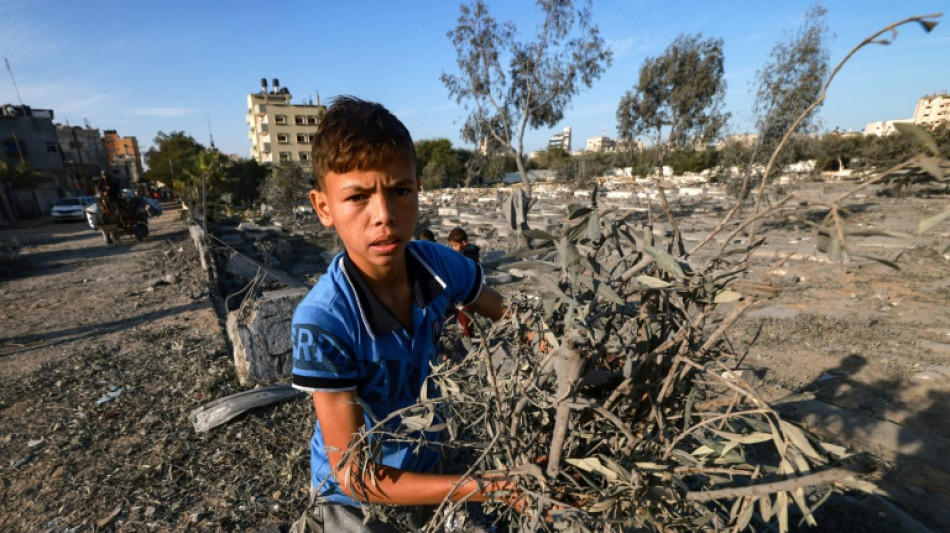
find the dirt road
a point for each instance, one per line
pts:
(104, 350)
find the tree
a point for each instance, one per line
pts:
(680, 93)
(173, 154)
(243, 180)
(286, 187)
(508, 86)
(439, 165)
(552, 157)
(791, 80)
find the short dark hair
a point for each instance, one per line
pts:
(359, 135)
(458, 235)
(426, 235)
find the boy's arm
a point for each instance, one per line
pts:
(340, 418)
(489, 304)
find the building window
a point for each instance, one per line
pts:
(299, 120)
(285, 156)
(282, 138)
(280, 119)
(304, 156)
(51, 148)
(304, 138)
(311, 119)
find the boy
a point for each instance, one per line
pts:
(364, 337)
(426, 235)
(458, 240)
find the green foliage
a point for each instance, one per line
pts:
(581, 170)
(23, 176)
(508, 86)
(791, 81)
(551, 158)
(243, 180)
(286, 187)
(836, 151)
(173, 155)
(679, 92)
(683, 161)
(440, 165)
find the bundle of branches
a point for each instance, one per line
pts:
(609, 396)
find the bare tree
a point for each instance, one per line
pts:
(508, 86)
(679, 93)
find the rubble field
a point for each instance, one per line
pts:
(105, 350)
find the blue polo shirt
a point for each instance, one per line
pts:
(345, 338)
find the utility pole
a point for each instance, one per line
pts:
(10, 70)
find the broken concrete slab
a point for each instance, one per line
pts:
(260, 335)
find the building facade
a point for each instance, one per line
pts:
(279, 130)
(83, 154)
(883, 128)
(28, 137)
(122, 153)
(932, 109)
(601, 143)
(561, 140)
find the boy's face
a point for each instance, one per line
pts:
(458, 245)
(374, 213)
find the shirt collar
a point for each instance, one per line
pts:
(379, 319)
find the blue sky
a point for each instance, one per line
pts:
(144, 67)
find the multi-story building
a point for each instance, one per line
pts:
(601, 143)
(932, 109)
(28, 140)
(280, 130)
(883, 128)
(83, 154)
(561, 140)
(28, 137)
(124, 157)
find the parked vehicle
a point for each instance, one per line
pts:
(66, 209)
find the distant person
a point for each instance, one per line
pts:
(367, 335)
(458, 240)
(425, 235)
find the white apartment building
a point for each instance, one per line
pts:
(932, 109)
(601, 143)
(561, 140)
(279, 130)
(883, 128)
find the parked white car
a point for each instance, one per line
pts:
(66, 209)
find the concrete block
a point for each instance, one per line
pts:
(260, 335)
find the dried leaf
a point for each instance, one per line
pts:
(665, 261)
(746, 515)
(726, 296)
(765, 507)
(652, 282)
(918, 135)
(798, 438)
(931, 165)
(781, 504)
(579, 212)
(929, 222)
(592, 464)
(928, 25)
(799, 495)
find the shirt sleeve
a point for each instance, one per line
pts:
(321, 362)
(465, 277)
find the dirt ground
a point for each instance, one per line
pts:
(104, 350)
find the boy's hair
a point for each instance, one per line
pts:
(359, 135)
(458, 235)
(426, 235)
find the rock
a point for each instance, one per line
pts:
(261, 336)
(170, 278)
